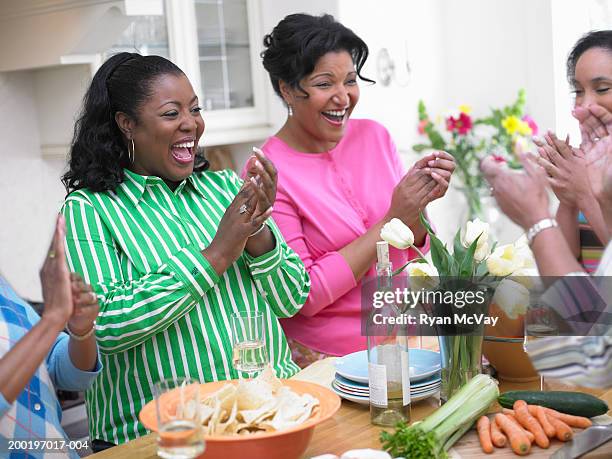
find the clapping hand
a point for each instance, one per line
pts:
(427, 180)
(520, 195)
(262, 173)
(596, 127)
(67, 298)
(441, 169)
(566, 168)
(85, 306)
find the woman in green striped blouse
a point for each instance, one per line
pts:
(172, 250)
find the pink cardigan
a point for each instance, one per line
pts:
(325, 201)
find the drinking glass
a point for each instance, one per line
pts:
(540, 322)
(249, 342)
(179, 431)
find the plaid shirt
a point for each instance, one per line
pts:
(586, 306)
(36, 413)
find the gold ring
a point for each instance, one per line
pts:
(51, 254)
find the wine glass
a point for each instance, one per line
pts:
(177, 406)
(249, 342)
(540, 322)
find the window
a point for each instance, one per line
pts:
(224, 53)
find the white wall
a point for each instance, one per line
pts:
(30, 189)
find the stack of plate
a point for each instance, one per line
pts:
(351, 382)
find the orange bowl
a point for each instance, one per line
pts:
(285, 444)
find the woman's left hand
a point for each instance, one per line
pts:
(85, 306)
(440, 169)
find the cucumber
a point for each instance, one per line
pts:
(576, 403)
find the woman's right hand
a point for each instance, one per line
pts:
(235, 228)
(410, 195)
(55, 280)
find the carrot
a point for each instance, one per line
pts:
(498, 438)
(564, 432)
(518, 440)
(570, 420)
(483, 426)
(530, 436)
(530, 423)
(546, 425)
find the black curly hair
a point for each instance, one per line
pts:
(299, 40)
(594, 39)
(98, 152)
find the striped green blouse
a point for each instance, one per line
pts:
(164, 311)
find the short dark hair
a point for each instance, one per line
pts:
(299, 40)
(594, 39)
(98, 152)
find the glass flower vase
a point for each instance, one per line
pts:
(461, 337)
(461, 358)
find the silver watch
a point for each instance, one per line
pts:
(543, 224)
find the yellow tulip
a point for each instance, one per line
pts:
(504, 261)
(422, 276)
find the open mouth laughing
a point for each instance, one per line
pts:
(183, 151)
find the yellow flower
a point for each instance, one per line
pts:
(504, 260)
(422, 276)
(464, 108)
(513, 125)
(523, 128)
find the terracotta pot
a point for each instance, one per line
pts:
(503, 348)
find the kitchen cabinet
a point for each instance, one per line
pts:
(215, 42)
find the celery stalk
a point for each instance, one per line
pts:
(435, 435)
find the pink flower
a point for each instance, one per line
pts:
(422, 125)
(498, 158)
(532, 124)
(461, 125)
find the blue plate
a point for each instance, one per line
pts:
(423, 363)
(420, 384)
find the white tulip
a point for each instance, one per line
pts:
(397, 234)
(422, 276)
(482, 251)
(504, 261)
(470, 232)
(512, 298)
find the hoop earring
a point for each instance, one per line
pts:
(289, 110)
(131, 153)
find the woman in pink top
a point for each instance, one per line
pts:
(339, 180)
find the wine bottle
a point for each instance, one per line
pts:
(388, 366)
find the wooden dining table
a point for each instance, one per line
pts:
(350, 428)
